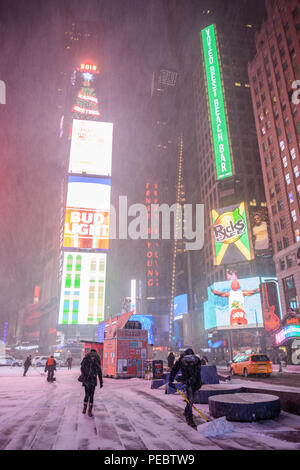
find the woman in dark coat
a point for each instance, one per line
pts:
(90, 369)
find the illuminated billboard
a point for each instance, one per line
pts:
(91, 147)
(87, 213)
(82, 289)
(230, 235)
(235, 303)
(223, 161)
(180, 306)
(261, 234)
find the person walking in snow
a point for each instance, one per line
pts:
(190, 366)
(69, 362)
(171, 359)
(50, 367)
(90, 368)
(27, 364)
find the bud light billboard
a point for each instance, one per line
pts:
(231, 238)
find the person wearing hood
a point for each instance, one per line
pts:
(190, 366)
(171, 359)
(90, 370)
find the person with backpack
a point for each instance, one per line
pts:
(90, 370)
(50, 367)
(190, 366)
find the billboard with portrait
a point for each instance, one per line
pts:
(91, 147)
(261, 234)
(87, 213)
(235, 303)
(82, 289)
(231, 238)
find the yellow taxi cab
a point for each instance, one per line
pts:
(246, 364)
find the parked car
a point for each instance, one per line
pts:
(39, 361)
(10, 361)
(246, 364)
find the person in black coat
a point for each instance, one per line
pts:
(90, 370)
(171, 359)
(27, 364)
(190, 366)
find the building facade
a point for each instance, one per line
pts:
(273, 75)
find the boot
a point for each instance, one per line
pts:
(191, 422)
(84, 408)
(90, 411)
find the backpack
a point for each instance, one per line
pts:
(191, 370)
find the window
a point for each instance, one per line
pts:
(272, 193)
(284, 161)
(298, 190)
(291, 199)
(274, 209)
(296, 171)
(275, 171)
(282, 222)
(293, 153)
(279, 247)
(281, 144)
(267, 161)
(286, 242)
(276, 227)
(277, 188)
(287, 179)
(289, 260)
(270, 139)
(294, 216)
(280, 205)
(278, 130)
(282, 264)
(265, 146)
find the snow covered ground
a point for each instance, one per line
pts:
(38, 415)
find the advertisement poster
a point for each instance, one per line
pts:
(91, 147)
(87, 213)
(83, 289)
(220, 134)
(234, 303)
(232, 242)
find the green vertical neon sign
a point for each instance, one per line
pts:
(216, 104)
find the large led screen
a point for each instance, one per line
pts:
(82, 289)
(180, 306)
(91, 147)
(87, 213)
(216, 104)
(235, 303)
(230, 235)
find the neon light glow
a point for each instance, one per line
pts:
(220, 134)
(93, 99)
(290, 331)
(88, 68)
(85, 111)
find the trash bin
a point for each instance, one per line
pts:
(157, 369)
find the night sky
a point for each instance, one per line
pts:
(31, 36)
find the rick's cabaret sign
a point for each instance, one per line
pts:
(216, 104)
(231, 238)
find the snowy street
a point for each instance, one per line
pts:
(37, 415)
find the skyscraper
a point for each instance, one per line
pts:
(213, 45)
(273, 73)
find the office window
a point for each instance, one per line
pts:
(296, 171)
(294, 216)
(283, 223)
(287, 179)
(284, 161)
